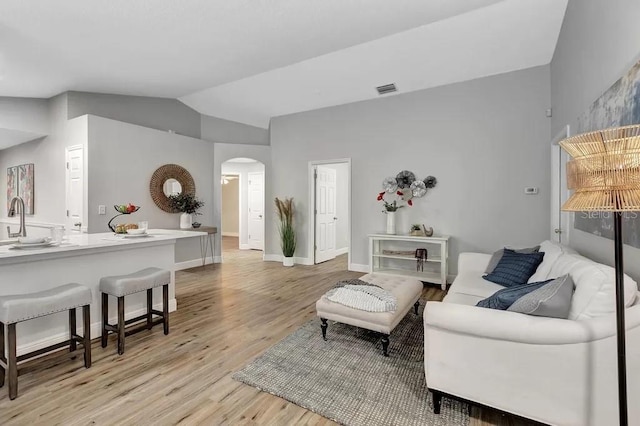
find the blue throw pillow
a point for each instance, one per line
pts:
(515, 268)
(503, 299)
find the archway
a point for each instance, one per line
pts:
(242, 207)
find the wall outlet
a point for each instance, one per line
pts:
(531, 190)
(102, 209)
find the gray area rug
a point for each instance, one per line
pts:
(346, 378)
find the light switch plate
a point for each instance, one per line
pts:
(102, 209)
(531, 190)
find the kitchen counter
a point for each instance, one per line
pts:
(83, 244)
(84, 259)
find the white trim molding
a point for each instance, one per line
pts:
(358, 267)
(341, 251)
(187, 264)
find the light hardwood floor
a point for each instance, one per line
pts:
(227, 315)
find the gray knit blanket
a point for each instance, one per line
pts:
(361, 295)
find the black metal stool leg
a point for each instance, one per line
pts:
(12, 363)
(149, 308)
(120, 325)
(2, 355)
(72, 330)
(416, 306)
(105, 319)
(165, 308)
(86, 319)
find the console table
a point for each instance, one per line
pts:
(204, 244)
(395, 255)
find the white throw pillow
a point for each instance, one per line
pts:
(551, 253)
(594, 295)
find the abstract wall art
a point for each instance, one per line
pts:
(20, 184)
(618, 106)
(12, 184)
(25, 187)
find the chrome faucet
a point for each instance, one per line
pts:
(22, 232)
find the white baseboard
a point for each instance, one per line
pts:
(358, 267)
(343, 250)
(96, 329)
(230, 234)
(244, 246)
(179, 266)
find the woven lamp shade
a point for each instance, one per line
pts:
(604, 172)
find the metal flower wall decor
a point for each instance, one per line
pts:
(405, 187)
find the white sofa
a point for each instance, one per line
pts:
(556, 371)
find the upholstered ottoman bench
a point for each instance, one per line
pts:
(407, 292)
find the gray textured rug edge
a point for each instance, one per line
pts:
(347, 380)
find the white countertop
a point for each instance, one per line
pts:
(77, 245)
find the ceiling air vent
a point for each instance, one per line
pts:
(387, 88)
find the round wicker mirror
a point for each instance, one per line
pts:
(161, 176)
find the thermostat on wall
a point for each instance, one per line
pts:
(531, 190)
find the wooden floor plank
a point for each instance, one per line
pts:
(228, 314)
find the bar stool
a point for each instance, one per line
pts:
(121, 285)
(22, 307)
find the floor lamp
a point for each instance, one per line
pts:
(604, 174)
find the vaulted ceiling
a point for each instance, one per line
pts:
(248, 60)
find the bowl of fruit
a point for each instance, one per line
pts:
(126, 208)
(122, 209)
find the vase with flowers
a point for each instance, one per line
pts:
(188, 205)
(391, 207)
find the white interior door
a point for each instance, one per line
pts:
(560, 221)
(256, 211)
(75, 188)
(325, 212)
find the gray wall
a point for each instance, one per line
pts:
(22, 120)
(220, 130)
(122, 159)
(597, 45)
(26, 114)
(164, 114)
(48, 156)
(156, 113)
(485, 140)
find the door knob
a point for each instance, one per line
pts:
(260, 216)
(558, 231)
(335, 218)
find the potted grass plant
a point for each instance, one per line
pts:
(286, 211)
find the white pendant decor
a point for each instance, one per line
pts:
(185, 221)
(391, 222)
